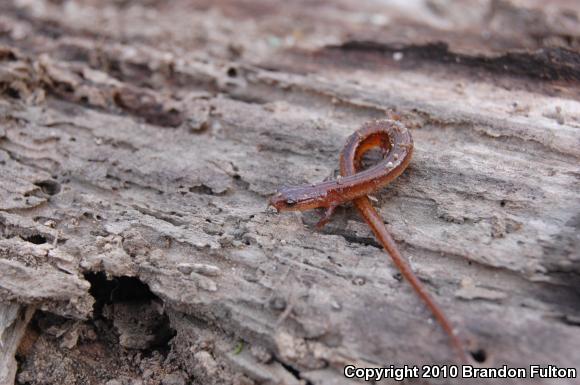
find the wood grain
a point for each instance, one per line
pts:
(143, 139)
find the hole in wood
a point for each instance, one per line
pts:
(49, 187)
(479, 355)
(37, 239)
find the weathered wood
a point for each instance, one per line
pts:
(139, 143)
(14, 319)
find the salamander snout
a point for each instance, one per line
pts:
(282, 202)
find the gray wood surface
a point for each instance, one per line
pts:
(143, 139)
(13, 321)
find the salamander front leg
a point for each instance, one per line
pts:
(326, 216)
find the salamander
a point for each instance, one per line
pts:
(354, 184)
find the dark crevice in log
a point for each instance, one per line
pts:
(546, 63)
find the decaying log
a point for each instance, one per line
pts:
(140, 141)
(14, 319)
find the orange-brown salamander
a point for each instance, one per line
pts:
(355, 184)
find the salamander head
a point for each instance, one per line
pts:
(294, 198)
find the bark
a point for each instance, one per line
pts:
(140, 141)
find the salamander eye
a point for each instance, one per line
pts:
(290, 202)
